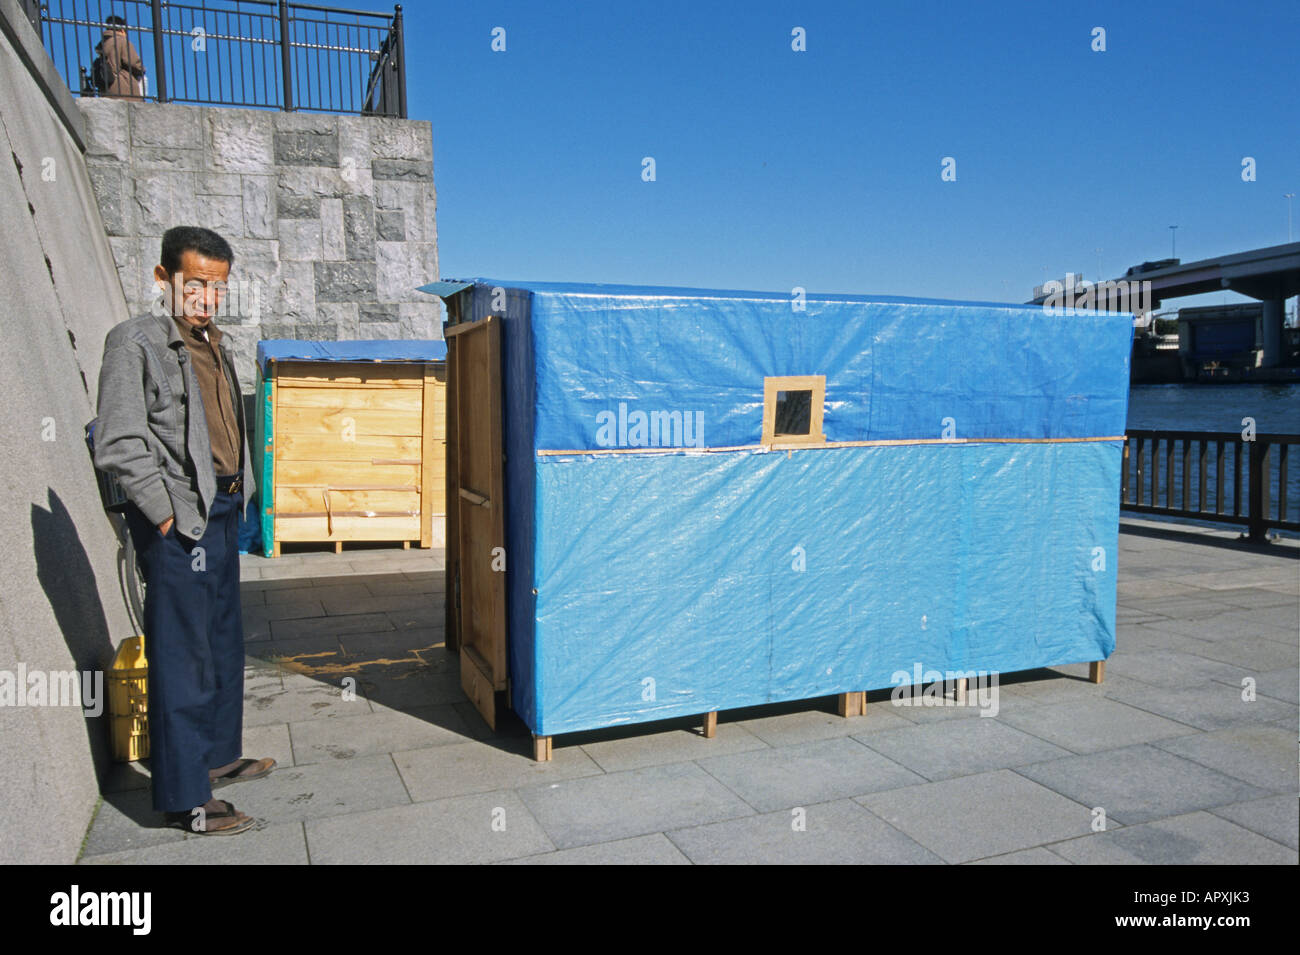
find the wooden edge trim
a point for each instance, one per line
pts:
(784, 446)
(464, 327)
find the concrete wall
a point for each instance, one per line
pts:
(332, 221)
(332, 218)
(61, 604)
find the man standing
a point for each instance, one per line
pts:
(118, 69)
(171, 428)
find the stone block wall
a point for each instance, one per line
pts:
(332, 218)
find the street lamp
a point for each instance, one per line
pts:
(1288, 196)
(1173, 242)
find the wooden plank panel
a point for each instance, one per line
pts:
(451, 574)
(428, 479)
(318, 473)
(351, 372)
(481, 529)
(339, 399)
(366, 447)
(363, 421)
(304, 528)
(298, 500)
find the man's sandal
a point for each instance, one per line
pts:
(227, 821)
(244, 770)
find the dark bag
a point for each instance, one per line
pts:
(99, 74)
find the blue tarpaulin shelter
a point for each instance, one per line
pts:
(715, 499)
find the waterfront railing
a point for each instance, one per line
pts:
(251, 53)
(1221, 476)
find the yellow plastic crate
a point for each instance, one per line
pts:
(128, 704)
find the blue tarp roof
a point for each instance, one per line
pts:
(448, 287)
(390, 349)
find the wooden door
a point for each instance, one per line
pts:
(474, 386)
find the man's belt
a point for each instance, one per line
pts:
(229, 485)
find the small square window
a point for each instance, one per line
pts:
(793, 413)
(792, 410)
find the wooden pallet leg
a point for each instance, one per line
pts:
(406, 545)
(338, 547)
(275, 549)
(1096, 671)
(711, 724)
(542, 748)
(961, 691)
(852, 704)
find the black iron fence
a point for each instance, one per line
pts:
(1216, 476)
(256, 53)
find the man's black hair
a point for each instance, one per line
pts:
(114, 21)
(177, 241)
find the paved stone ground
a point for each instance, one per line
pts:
(1185, 769)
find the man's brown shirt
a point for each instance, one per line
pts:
(217, 394)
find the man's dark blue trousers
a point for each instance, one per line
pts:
(194, 642)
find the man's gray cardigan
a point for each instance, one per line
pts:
(152, 433)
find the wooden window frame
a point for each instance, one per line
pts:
(812, 383)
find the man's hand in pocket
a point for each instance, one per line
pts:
(166, 525)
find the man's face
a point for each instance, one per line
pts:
(195, 291)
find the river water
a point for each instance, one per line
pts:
(1186, 407)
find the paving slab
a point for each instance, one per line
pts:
(1050, 688)
(1088, 726)
(297, 698)
(127, 821)
(1034, 856)
(1274, 817)
(833, 833)
(370, 733)
(390, 584)
(637, 802)
(654, 849)
(1264, 756)
(1250, 598)
(807, 773)
(457, 769)
(406, 686)
(1187, 607)
(483, 827)
(341, 787)
(671, 746)
(973, 817)
(336, 591)
(1141, 783)
(1198, 838)
(1281, 684)
(263, 845)
(339, 624)
(806, 726)
(1252, 654)
(961, 748)
(1206, 706)
(269, 739)
(1170, 668)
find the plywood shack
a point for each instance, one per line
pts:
(352, 441)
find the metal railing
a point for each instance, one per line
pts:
(1212, 476)
(255, 53)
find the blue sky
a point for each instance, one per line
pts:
(822, 168)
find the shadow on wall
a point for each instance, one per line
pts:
(65, 574)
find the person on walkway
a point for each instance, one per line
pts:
(118, 70)
(171, 428)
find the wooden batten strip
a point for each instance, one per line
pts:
(779, 446)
